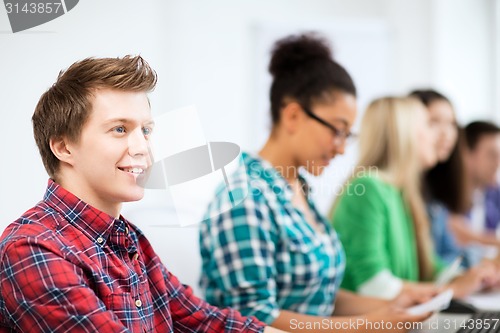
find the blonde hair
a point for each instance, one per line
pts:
(388, 141)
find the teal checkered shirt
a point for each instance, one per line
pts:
(259, 253)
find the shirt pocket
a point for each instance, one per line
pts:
(127, 309)
(307, 256)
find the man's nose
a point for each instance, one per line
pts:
(138, 144)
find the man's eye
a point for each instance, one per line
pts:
(147, 131)
(119, 129)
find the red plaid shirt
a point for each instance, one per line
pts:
(68, 267)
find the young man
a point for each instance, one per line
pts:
(483, 163)
(482, 158)
(72, 263)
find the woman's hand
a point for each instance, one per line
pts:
(482, 276)
(493, 280)
(395, 319)
(414, 293)
(270, 329)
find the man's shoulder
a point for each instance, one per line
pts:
(493, 192)
(39, 222)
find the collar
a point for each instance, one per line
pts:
(92, 222)
(259, 168)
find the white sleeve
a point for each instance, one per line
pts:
(383, 285)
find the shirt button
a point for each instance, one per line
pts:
(136, 256)
(138, 303)
(126, 230)
(100, 240)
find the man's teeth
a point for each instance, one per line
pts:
(134, 170)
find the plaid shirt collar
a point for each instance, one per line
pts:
(260, 168)
(92, 222)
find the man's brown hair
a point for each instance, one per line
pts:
(65, 107)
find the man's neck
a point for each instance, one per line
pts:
(88, 196)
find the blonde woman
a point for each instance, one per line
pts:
(381, 217)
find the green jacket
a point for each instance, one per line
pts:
(377, 232)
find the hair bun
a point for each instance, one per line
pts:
(296, 51)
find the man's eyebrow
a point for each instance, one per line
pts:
(117, 120)
(150, 122)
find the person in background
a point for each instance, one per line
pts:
(273, 255)
(478, 231)
(444, 184)
(73, 263)
(381, 216)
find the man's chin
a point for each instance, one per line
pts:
(493, 182)
(134, 195)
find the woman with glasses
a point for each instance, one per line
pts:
(381, 216)
(273, 255)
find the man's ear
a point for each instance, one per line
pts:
(291, 117)
(468, 157)
(61, 149)
(467, 153)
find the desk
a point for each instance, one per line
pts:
(450, 323)
(486, 301)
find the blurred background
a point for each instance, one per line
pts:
(214, 55)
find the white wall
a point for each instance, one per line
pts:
(463, 60)
(30, 62)
(217, 39)
(203, 52)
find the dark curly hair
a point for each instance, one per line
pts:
(303, 69)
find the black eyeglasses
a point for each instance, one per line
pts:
(340, 136)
